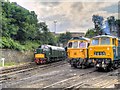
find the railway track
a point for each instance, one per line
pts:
(17, 68)
(101, 81)
(79, 81)
(86, 81)
(68, 80)
(47, 78)
(10, 76)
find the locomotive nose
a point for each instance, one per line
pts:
(100, 52)
(39, 56)
(76, 53)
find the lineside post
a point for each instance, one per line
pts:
(3, 62)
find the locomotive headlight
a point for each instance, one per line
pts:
(108, 48)
(81, 50)
(90, 48)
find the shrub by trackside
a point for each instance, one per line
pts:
(9, 43)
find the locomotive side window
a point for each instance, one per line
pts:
(114, 41)
(70, 45)
(119, 43)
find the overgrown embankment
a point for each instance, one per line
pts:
(14, 57)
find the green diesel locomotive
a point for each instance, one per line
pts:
(48, 53)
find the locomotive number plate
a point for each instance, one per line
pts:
(39, 56)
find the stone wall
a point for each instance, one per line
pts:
(16, 56)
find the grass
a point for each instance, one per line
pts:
(11, 64)
(8, 64)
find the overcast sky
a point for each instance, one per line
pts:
(71, 15)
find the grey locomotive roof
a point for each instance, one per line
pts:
(80, 38)
(105, 36)
(53, 47)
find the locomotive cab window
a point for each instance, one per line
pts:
(95, 41)
(75, 44)
(82, 44)
(105, 41)
(45, 48)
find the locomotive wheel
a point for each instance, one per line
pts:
(74, 65)
(115, 65)
(83, 66)
(98, 69)
(108, 68)
(37, 63)
(48, 60)
(78, 65)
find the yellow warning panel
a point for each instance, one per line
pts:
(39, 56)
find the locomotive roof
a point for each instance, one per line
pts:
(105, 36)
(53, 47)
(80, 38)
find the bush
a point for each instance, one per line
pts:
(9, 43)
(30, 45)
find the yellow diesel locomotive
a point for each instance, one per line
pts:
(105, 51)
(77, 52)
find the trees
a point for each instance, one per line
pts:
(17, 22)
(64, 37)
(118, 26)
(44, 35)
(90, 33)
(21, 26)
(98, 22)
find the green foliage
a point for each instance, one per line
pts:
(90, 33)
(8, 64)
(44, 35)
(63, 38)
(31, 45)
(118, 26)
(11, 44)
(17, 22)
(21, 30)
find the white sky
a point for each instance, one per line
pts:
(71, 15)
